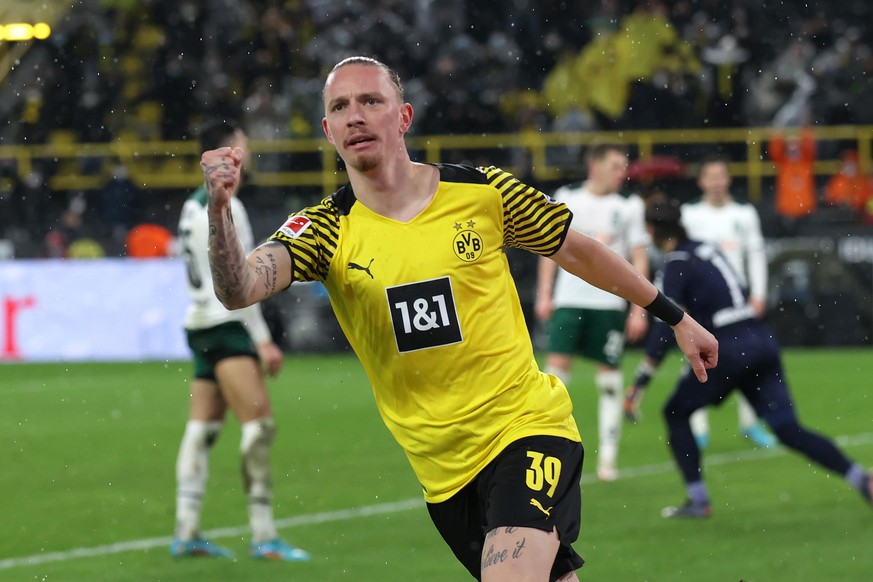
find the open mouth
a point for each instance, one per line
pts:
(357, 140)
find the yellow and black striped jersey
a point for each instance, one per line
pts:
(432, 312)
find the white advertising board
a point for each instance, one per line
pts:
(92, 310)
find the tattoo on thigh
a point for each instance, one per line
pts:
(519, 548)
(492, 556)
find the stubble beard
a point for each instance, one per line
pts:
(364, 163)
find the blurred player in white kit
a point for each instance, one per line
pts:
(735, 227)
(231, 349)
(587, 321)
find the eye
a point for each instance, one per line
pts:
(338, 107)
(372, 101)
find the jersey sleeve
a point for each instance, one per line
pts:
(310, 236)
(256, 325)
(637, 236)
(531, 220)
(756, 254)
(561, 194)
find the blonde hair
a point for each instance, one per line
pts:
(370, 62)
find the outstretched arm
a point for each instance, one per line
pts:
(596, 263)
(599, 265)
(239, 281)
(637, 324)
(546, 271)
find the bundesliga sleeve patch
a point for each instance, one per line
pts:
(295, 226)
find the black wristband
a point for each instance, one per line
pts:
(664, 309)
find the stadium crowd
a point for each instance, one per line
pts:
(613, 64)
(154, 70)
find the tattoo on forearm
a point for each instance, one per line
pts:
(230, 275)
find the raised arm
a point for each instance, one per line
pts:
(599, 265)
(239, 281)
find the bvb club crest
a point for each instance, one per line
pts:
(467, 243)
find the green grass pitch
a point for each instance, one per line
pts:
(87, 482)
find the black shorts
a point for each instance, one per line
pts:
(534, 482)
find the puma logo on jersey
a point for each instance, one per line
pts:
(537, 504)
(357, 267)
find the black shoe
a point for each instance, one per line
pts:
(690, 509)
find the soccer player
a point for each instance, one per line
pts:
(699, 277)
(412, 256)
(736, 229)
(231, 350)
(588, 321)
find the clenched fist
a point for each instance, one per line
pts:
(222, 169)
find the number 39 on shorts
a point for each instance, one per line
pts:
(543, 471)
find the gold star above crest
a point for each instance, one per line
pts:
(470, 224)
(458, 226)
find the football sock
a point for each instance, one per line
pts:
(257, 437)
(192, 471)
(745, 413)
(610, 411)
(859, 479)
(700, 422)
(697, 493)
(563, 376)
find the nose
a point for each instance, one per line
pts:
(355, 114)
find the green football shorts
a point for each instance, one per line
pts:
(597, 334)
(213, 344)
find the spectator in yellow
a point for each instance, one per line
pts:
(600, 74)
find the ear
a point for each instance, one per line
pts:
(406, 114)
(326, 129)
